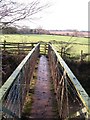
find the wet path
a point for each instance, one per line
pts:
(42, 105)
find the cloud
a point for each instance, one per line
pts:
(64, 14)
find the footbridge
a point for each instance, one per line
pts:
(72, 100)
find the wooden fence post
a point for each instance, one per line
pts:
(61, 51)
(4, 45)
(45, 48)
(81, 56)
(32, 45)
(18, 49)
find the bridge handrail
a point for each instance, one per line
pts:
(80, 90)
(10, 81)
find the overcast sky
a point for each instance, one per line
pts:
(63, 14)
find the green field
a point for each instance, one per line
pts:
(45, 38)
(75, 49)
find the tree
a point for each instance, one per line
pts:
(11, 11)
(75, 33)
(9, 30)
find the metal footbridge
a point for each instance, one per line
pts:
(72, 99)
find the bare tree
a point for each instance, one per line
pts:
(11, 11)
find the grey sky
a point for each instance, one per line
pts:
(63, 14)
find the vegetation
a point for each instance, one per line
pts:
(29, 98)
(45, 38)
(12, 11)
(73, 49)
(9, 63)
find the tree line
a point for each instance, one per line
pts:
(23, 30)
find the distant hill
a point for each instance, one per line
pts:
(70, 33)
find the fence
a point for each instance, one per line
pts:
(65, 49)
(24, 47)
(17, 47)
(14, 90)
(72, 99)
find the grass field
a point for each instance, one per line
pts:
(75, 49)
(45, 38)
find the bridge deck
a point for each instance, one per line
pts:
(42, 106)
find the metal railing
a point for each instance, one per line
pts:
(14, 90)
(73, 101)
